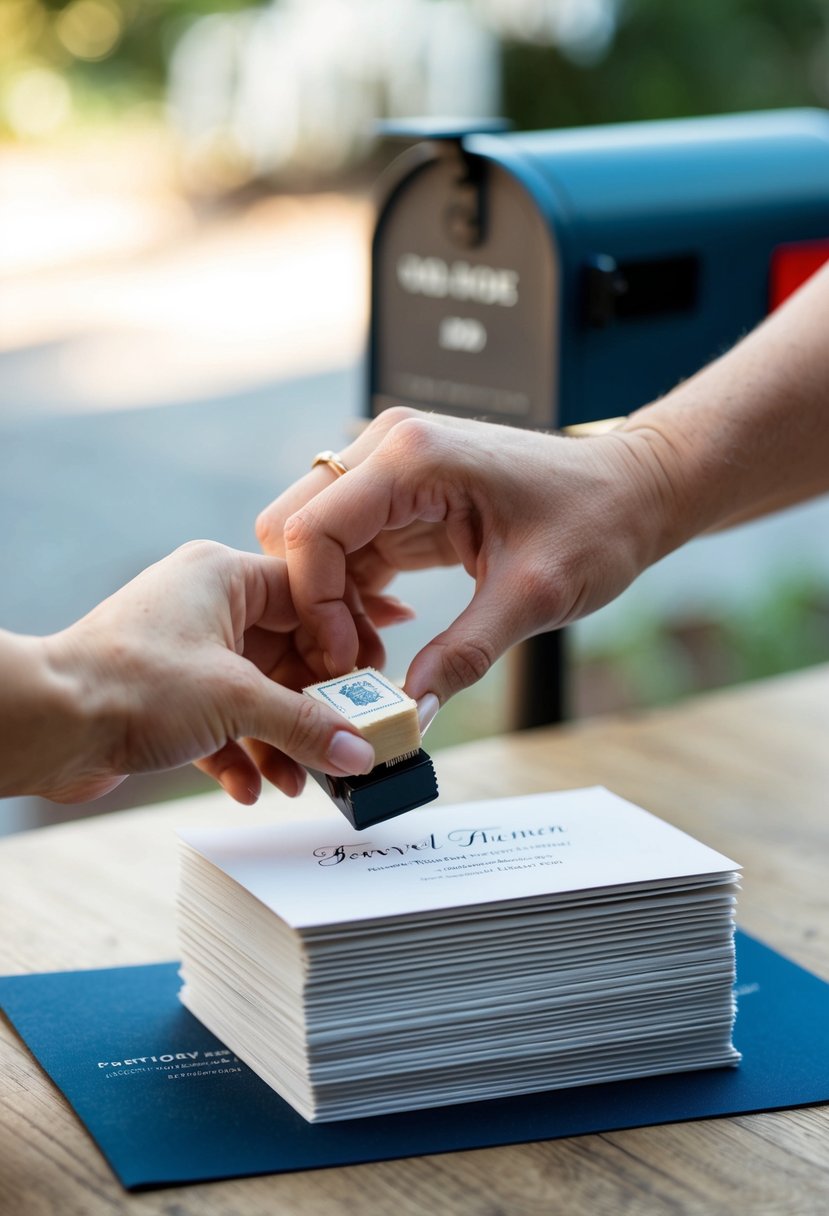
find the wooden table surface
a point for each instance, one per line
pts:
(746, 770)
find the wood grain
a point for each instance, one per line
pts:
(746, 770)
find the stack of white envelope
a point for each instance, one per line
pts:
(463, 953)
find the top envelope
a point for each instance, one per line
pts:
(325, 873)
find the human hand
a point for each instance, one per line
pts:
(199, 651)
(550, 528)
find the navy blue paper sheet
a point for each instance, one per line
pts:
(167, 1103)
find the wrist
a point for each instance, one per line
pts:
(678, 488)
(80, 722)
(38, 718)
(83, 690)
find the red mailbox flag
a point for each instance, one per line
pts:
(792, 265)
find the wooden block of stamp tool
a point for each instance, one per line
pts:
(403, 777)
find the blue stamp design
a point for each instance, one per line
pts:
(360, 692)
(358, 695)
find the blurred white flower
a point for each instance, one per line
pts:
(298, 83)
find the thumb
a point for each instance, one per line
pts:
(464, 653)
(303, 729)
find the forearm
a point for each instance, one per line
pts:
(750, 433)
(47, 724)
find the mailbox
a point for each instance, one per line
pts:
(550, 278)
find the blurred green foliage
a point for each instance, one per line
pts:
(663, 60)
(147, 29)
(112, 54)
(657, 659)
(674, 60)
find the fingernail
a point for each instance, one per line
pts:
(401, 607)
(329, 664)
(350, 754)
(427, 707)
(298, 775)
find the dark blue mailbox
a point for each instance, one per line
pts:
(558, 277)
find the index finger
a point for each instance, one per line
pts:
(271, 521)
(319, 537)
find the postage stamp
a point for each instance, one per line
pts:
(359, 694)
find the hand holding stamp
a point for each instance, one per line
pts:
(386, 717)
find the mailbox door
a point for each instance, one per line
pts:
(464, 326)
